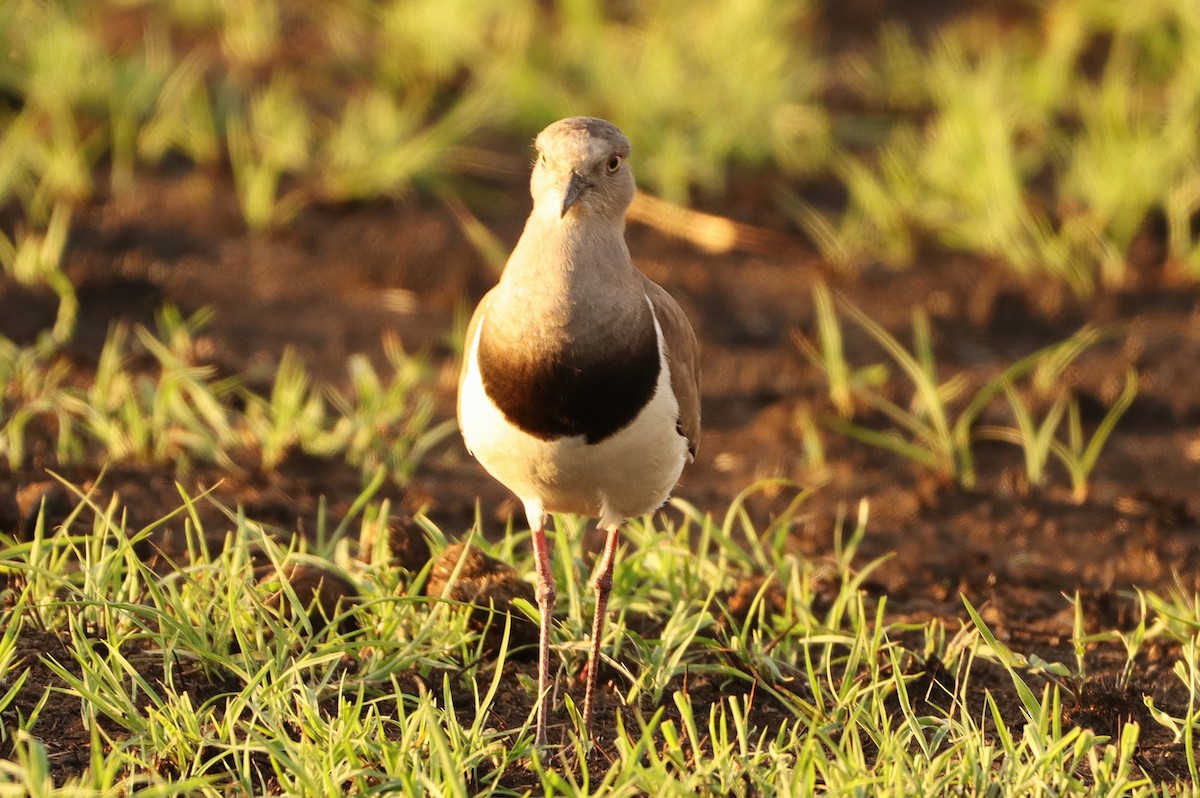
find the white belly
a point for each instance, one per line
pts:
(628, 474)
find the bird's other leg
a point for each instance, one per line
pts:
(546, 594)
(602, 584)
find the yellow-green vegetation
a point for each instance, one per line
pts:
(1049, 141)
(404, 703)
(365, 99)
(941, 421)
(179, 411)
(1047, 146)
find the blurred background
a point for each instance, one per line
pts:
(1044, 133)
(943, 259)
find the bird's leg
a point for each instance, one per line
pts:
(546, 594)
(602, 583)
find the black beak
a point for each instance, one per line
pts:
(575, 190)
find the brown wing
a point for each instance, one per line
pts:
(683, 354)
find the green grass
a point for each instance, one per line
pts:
(180, 412)
(407, 705)
(1000, 143)
(937, 426)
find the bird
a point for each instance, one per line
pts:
(580, 384)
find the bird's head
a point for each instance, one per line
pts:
(582, 169)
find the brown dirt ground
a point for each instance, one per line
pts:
(339, 277)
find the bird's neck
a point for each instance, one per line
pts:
(571, 276)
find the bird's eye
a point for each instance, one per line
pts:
(614, 163)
